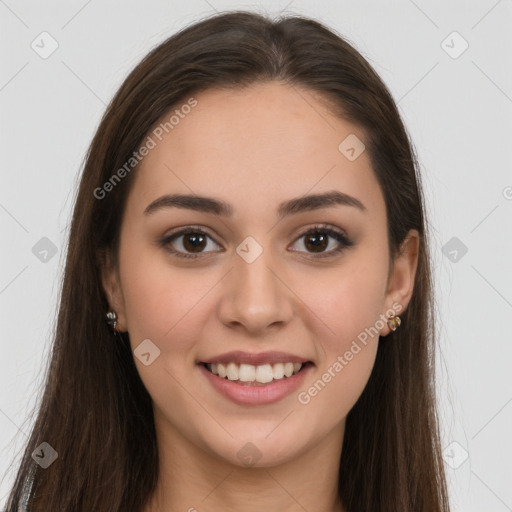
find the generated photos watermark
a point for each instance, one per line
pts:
(304, 397)
(149, 144)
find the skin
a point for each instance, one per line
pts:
(254, 148)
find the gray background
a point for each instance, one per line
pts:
(457, 107)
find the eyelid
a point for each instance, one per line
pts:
(324, 227)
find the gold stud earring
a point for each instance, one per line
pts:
(394, 322)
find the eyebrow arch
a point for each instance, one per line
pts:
(219, 207)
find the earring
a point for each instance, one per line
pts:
(394, 322)
(111, 319)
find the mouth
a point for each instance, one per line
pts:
(256, 375)
(258, 384)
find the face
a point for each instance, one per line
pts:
(275, 275)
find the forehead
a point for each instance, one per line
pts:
(263, 143)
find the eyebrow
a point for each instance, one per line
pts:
(219, 207)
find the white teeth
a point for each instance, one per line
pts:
(264, 374)
(221, 370)
(249, 373)
(232, 371)
(278, 370)
(246, 373)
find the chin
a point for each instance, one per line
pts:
(258, 450)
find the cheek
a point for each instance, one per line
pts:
(343, 302)
(348, 352)
(161, 301)
(168, 306)
(344, 311)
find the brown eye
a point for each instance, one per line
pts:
(188, 243)
(324, 242)
(316, 242)
(194, 242)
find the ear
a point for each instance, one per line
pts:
(401, 280)
(112, 287)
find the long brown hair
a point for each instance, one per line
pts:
(95, 411)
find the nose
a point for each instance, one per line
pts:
(255, 297)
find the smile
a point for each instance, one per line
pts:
(261, 374)
(251, 391)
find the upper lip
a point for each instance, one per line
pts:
(260, 358)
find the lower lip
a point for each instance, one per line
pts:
(246, 394)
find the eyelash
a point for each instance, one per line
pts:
(317, 229)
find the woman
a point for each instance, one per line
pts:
(250, 224)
